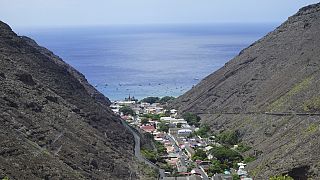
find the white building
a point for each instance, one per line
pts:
(184, 132)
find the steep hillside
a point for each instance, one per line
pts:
(53, 124)
(260, 92)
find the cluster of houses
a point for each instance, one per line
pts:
(139, 108)
(179, 144)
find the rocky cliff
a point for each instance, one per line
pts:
(270, 94)
(53, 123)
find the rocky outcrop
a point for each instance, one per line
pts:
(270, 94)
(53, 123)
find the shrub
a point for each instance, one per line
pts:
(249, 159)
(192, 119)
(225, 154)
(144, 121)
(215, 168)
(166, 99)
(161, 149)
(150, 155)
(152, 116)
(126, 110)
(162, 126)
(203, 131)
(235, 177)
(312, 105)
(243, 148)
(285, 177)
(229, 137)
(151, 100)
(199, 155)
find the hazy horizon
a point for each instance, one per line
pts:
(79, 13)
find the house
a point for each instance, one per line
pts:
(189, 150)
(125, 103)
(208, 148)
(192, 177)
(173, 111)
(196, 171)
(241, 171)
(148, 128)
(184, 132)
(210, 157)
(167, 119)
(222, 177)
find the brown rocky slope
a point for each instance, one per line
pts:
(53, 124)
(260, 92)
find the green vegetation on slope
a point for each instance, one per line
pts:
(229, 137)
(199, 155)
(192, 119)
(312, 105)
(126, 110)
(279, 104)
(162, 100)
(163, 127)
(286, 177)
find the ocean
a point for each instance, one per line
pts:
(154, 60)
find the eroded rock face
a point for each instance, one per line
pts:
(53, 123)
(277, 74)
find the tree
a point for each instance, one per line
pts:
(192, 119)
(243, 148)
(166, 99)
(167, 167)
(225, 154)
(152, 116)
(126, 110)
(229, 137)
(161, 149)
(235, 177)
(199, 155)
(150, 155)
(203, 131)
(150, 100)
(162, 126)
(144, 121)
(215, 168)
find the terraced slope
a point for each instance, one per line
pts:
(259, 93)
(53, 124)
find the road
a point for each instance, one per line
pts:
(261, 113)
(137, 150)
(184, 158)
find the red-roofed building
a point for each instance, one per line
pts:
(148, 128)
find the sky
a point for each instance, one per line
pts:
(64, 13)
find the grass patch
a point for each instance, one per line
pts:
(279, 104)
(243, 148)
(312, 128)
(249, 159)
(286, 177)
(312, 105)
(147, 172)
(6, 178)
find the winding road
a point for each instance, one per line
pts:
(184, 158)
(137, 150)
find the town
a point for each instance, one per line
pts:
(185, 149)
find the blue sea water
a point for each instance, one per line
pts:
(148, 60)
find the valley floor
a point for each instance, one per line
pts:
(183, 148)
